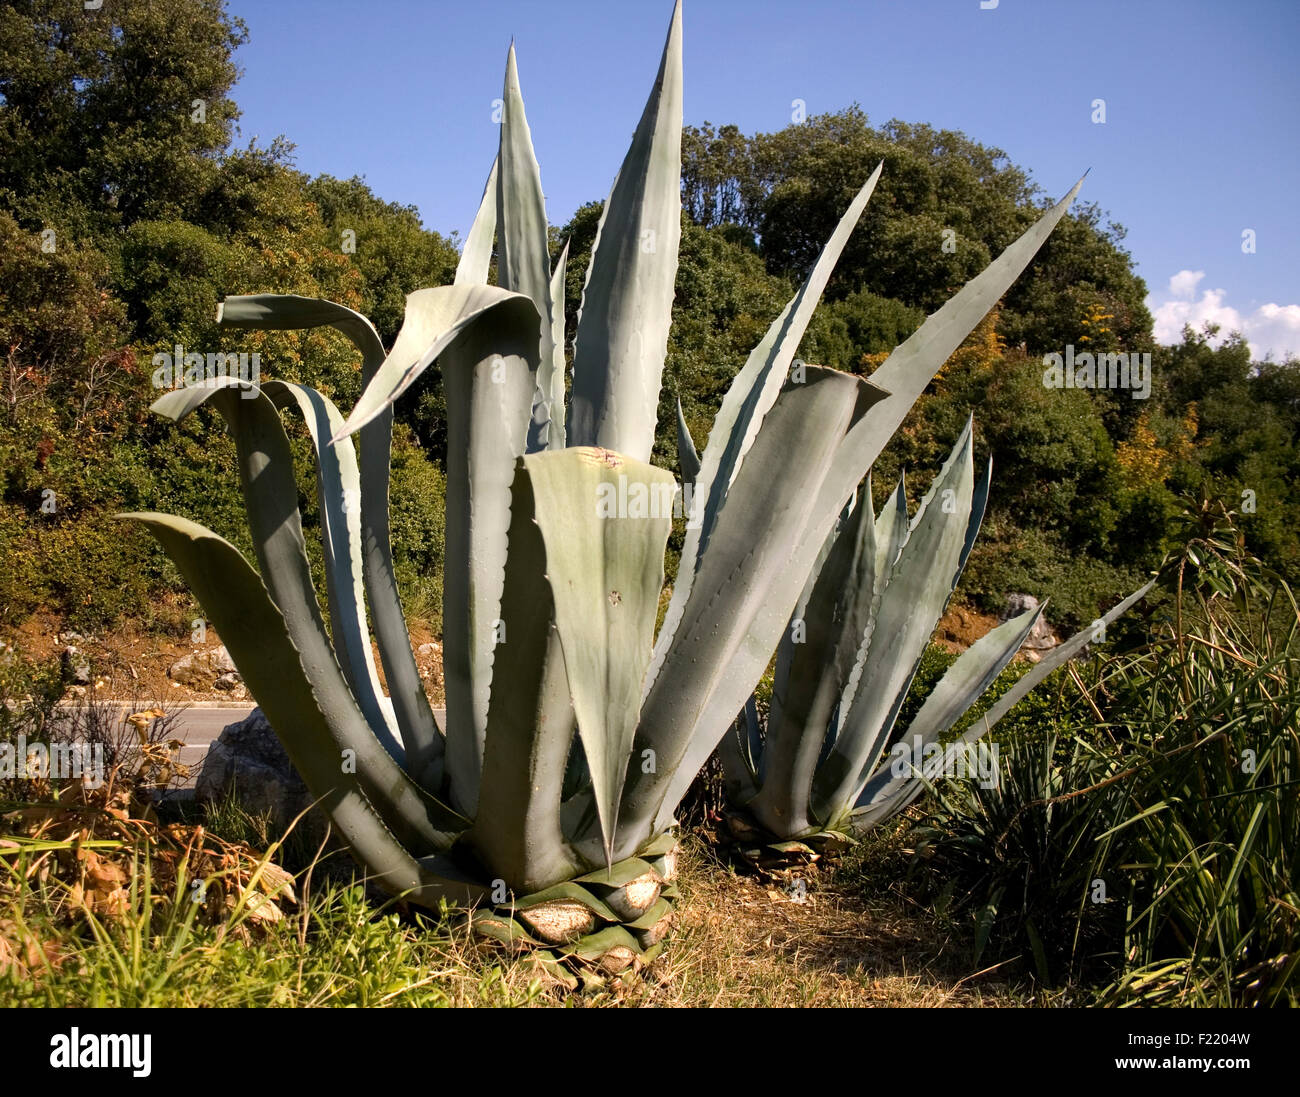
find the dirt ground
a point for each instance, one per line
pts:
(961, 626)
(130, 663)
(749, 943)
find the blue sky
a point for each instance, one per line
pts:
(1199, 143)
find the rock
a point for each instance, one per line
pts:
(201, 669)
(248, 762)
(75, 667)
(234, 685)
(428, 649)
(1041, 637)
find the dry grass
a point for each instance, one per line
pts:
(742, 942)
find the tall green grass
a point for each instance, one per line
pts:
(1144, 843)
(164, 948)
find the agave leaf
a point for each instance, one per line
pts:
(270, 497)
(595, 945)
(761, 636)
(555, 438)
(791, 846)
(973, 672)
(881, 798)
(890, 536)
(891, 532)
(530, 722)
(658, 846)
(568, 889)
(687, 457)
(622, 336)
(579, 817)
(288, 312)
(420, 733)
(785, 651)
(617, 875)
(907, 371)
(546, 961)
(913, 365)
(740, 418)
(523, 260)
(476, 256)
(903, 620)
(339, 491)
(1049, 662)
(438, 320)
(740, 751)
(960, 687)
(604, 520)
(979, 503)
(739, 771)
(487, 419)
(716, 657)
(659, 910)
(576, 774)
(503, 929)
(257, 634)
(834, 620)
(486, 339)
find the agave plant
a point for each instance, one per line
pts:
(545, 800)
(813, 779)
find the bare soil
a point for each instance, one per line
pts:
(130, 662)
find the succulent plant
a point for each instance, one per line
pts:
(813, 778)
(546, 799)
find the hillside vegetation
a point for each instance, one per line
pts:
(127, 212)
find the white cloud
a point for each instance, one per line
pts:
(1268, 329)
(1183, 284)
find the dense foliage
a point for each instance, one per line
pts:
(127, 212)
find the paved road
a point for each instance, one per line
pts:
(198, 727)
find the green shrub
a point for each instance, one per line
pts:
(417, 507)
(1009, 558)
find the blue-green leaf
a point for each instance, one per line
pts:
(622, 336)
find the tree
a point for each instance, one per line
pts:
(115, 115)
(394, 253)
(61, 332)
(1248, 450)
(943, 207)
